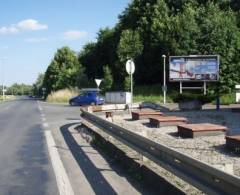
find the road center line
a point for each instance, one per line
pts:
(63, 183)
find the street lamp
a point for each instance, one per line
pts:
(164, 79)
(3, 89)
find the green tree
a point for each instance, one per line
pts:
(220, 35)
(108, 79)
(127, 83)
(62, 71)
(130, 45)
(82, 80)
(20, 89)
(38, 85)
(147, 29)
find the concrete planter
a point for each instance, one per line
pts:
(190, 105)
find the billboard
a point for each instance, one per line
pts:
(194, 68)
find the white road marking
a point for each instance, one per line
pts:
(63, 183)
(43, 119)
(45, 125)
(39, 107)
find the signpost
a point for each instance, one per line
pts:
(130, 68)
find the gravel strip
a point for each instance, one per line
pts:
(209, 149)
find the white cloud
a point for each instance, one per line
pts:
(36, 40)
(74, 35)
(8, 30)
(28, 24)
(31, 24)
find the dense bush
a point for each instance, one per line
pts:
(191, 96)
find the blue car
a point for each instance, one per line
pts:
(87, 98)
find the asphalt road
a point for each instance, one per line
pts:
(24, 162)
(41, 153)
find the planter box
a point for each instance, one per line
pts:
(190, 105)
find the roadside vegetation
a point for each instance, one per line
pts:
(228, 99)
(62, 96)
(7, 97)
(151, 93)
(145, 31)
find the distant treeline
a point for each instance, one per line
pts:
(146, 30)
(18, 89)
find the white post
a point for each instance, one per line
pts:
(164, 79)
(180, 87)
(3, 90)
(205, 87)
(131, 77)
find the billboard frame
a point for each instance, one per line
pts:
(196, 56)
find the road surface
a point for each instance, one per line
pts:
(41, 153)
(24, 162)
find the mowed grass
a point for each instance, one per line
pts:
(61, 96)
(153, 93)
(149, 93)
(7, 97)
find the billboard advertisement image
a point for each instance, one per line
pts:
(194, 68)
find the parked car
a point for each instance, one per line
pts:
(87, 98)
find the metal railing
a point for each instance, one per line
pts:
(199, 174)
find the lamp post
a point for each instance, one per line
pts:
(164, 79)
(3, 89)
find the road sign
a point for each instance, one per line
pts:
(130, 67)
(98, 82)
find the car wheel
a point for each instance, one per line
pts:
(72, 103)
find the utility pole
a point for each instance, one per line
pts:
(3, 89)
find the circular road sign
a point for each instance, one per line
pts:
(130, 67)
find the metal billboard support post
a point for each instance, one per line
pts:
(131, 77)
(205, 87)
(3, 88)
(180, 87)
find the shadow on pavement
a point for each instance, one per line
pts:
(98, 183)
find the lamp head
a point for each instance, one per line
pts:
(164, 56)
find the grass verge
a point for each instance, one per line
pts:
(61, 96)
(150, 93)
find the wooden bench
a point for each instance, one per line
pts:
(233, 143)
(202, 129)
(145, 114)
(160, 121)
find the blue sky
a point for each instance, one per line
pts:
(32, 30)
